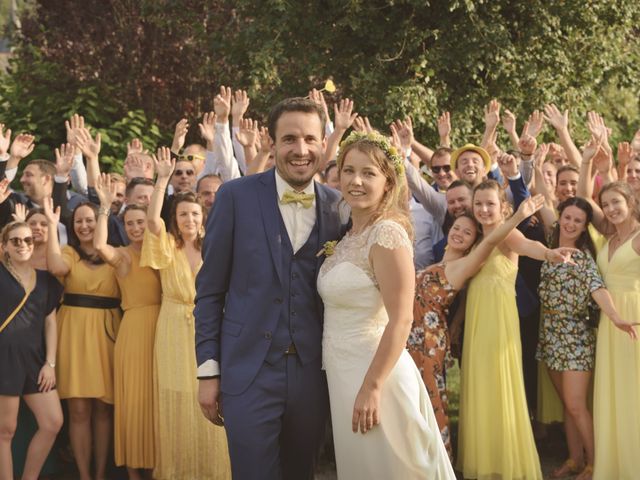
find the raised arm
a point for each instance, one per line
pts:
(90, 148)
(491, 120)
(444, 129)
(246, 137)
(106, 192)
(560, 121)
(55, 262)
(585, 185)
(164, 168)
(393, 268)
(344, 117)
(458, 272)
(509, 124)
(259, 163)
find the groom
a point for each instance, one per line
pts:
(258, 314)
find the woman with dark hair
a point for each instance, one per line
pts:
(436, 288)
(27, 350)
(187, 445)
(87, 323)
(567, 344)
(133, 354)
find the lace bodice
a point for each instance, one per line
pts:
(354, 314)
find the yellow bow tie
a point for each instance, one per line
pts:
(304, 199)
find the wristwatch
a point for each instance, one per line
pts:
(52, 364)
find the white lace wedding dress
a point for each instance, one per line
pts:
(407, 442)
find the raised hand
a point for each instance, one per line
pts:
(135, 146)
(22, 146)
(64, 159)
(554, 117)
(248, 132)
(106, 190)
(508, 165)
(508, 121)
(164, 163)
(395, 137)
(541, 154)
(53, 216)
(72, 126)
(90, 147)
(404, 129)
(624, 154)
(530, 206)
(317, 97)
(635, 142)
(265, 140)
(343, 114)
(591, 148)
(444, 127)
(361, 124)
(5, 140)
(596, 126)
(492, 114)
(239, 106)
(208, 128)
(222, 104)
(535, 123)
(179, 135)
(133, 166)
(5, 191)
(527, 143)
(20, 213)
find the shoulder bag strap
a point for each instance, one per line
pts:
(14, 313)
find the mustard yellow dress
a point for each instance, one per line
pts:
(188, 446)
(133, 376)
(616, 403)
(86, 336)
(495, 438)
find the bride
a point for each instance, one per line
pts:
(367, 284)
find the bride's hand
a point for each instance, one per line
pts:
(366, 410)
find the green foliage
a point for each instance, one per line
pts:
(112, 60)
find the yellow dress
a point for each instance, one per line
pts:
(86, 336)
(495, 438)
(616, 403)
(188, 446)
(133, 376)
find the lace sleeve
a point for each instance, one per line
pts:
(389, 234)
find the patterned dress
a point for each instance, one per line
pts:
(567, 341)
(428, 342)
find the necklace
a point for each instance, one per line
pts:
(25, 283)
(620, 241)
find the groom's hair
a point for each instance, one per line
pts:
(295, 104)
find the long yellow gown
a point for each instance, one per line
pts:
(86, 336)
(188, 446)
(616, 403)
(495, 439)
(133, 376)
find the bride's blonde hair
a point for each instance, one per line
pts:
(395, 200)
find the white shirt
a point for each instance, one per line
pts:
(297, 220)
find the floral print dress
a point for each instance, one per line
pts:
(428, 342)
(566, 340)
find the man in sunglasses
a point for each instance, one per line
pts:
(441, 169)
(184, 177)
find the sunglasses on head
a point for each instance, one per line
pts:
(17, 241)
(188, 173)
(191, 157)
(446, 168)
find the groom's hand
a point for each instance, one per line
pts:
(209, 400)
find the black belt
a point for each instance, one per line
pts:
(90, 301)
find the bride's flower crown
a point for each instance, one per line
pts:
(379, 141)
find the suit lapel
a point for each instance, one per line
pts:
(326, 215)
(268, 197)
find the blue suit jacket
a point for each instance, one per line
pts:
(239, 291)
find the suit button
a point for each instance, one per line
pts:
(277, 300)
(267, 335)
(293, 313)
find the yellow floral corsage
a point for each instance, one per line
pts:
(328, 248)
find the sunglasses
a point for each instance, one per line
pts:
(188, 173)
(446, 168)
(191, 157)
(17, 241)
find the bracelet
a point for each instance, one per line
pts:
(104, 211)
(52, 364)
